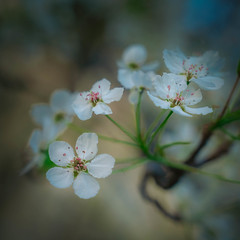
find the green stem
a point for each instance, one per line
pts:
(81, 130)
(160, 127)
(154, 123)
(121, 128)
(130, 167)
(188, 168)
(173, 144)
(138, 116)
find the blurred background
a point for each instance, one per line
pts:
(54, 44)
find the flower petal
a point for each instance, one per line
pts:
(159, 102)
(85, 186)
(135, 54)
(60, 177)
(86, 146)
(61, 153)
(40, 112)
(35, 140)
(101, 166)
(113, 95)
(201, 110)
(102, 86)
(209, 82)
(192, 96)
(174, 60)
(151, 66)
(179, 111)
(102, 108)
(61, 101)
(125, 78)
(133, 95)
(82, 107)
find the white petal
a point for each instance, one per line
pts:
(86, 146)
(51, 130)
(159, 102)
(141, 79)
(82, 107)
(174, 60)
(201, 110)
(179, 111)
(39, 112)
(213, 61)
(209, 83)
(113, 95)
(61, 101)
(135, 54)
(133, 96)
(35, 140)
(102, 108)
(169, 85)
(151, 66)
(60, 177)
(85, 186)
(102, 86)
(61, 153)
(36, 160)
(192, 96)
(125, 78)
(101, 166)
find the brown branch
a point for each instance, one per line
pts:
(143, 190)
(220, 151)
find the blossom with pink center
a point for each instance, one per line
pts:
(172, 92)
(96, 100)
(81, 168)
(204, 70)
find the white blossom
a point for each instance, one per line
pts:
(81, 168)
(204, 70)
(133, 73)
(58, 113)
(171, 92)
(96, 100)
(38, 143)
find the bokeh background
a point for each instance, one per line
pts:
(54, 44)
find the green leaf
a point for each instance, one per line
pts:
(233, 137)
(228, 118)
(238, 68)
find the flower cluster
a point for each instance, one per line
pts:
(176, 91)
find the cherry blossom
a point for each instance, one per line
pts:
(204, 70)
(172, 92)
(96, 100)
(81, 168)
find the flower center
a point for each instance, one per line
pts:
(177, 101)
(94, 97)
(194, 70)
(59, 117)
(78, 165)
(133, 66)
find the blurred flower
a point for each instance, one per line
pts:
(38, 142)
(96, 100)
(203, 70)
(58, 113)
(171, 92)
(80, 167)
(133, 73)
